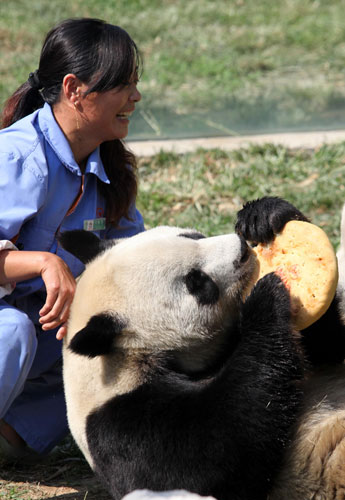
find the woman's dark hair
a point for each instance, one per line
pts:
(104, 57)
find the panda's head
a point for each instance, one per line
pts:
(166, 289)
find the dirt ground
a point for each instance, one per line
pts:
(64, 476)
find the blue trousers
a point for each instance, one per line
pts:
(31, 388)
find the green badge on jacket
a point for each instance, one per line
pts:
(94, 224)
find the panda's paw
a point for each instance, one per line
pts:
(260, 220)
(268, 303)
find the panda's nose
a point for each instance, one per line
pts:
(245, 251)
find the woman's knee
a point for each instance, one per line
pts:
(17, 331)
(18, 345)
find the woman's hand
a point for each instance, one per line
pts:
(57, 277)
(60, 286)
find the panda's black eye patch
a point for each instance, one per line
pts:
(204, 289)
(193, 236)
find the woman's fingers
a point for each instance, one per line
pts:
(61, 332)
(60, 286)
(58, 313)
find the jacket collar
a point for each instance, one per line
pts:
(60, 145)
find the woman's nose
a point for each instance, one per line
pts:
(135, 96)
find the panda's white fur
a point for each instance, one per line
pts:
(140, 279)
(171, 379)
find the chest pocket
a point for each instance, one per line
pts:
(39, 233)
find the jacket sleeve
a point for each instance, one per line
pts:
(9, 287)
(22, 193)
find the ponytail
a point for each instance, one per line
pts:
(25, 100)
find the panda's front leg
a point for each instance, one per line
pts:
(264, 374)
(269, 362)
(266, 320)
(260, 220)
(266, 330)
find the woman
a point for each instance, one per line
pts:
(62, 166)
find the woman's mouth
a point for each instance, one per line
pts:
(124, 116)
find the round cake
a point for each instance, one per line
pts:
(304, 258)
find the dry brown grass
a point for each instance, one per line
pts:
(64, 475)
(63, 479)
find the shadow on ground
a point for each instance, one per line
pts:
(63, 476)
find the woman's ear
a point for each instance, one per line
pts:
(72, 88)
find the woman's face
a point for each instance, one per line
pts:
(106, 115)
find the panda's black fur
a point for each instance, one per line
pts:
(221, 431)
(221, 434)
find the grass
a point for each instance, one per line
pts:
(67, 476)
(206, 189)
(11, 493)
(211, 67)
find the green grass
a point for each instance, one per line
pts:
(11, 493)
(211, 66)
(219, 64)
(206, 189)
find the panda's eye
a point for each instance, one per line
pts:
(202, 287)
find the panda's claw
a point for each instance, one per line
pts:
(268, 304)
(260, 220)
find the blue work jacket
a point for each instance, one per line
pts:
(39, 183)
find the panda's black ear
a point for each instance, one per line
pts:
(84, 245)
(97, 337)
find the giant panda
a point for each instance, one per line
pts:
(173, 379)
(314, 463)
